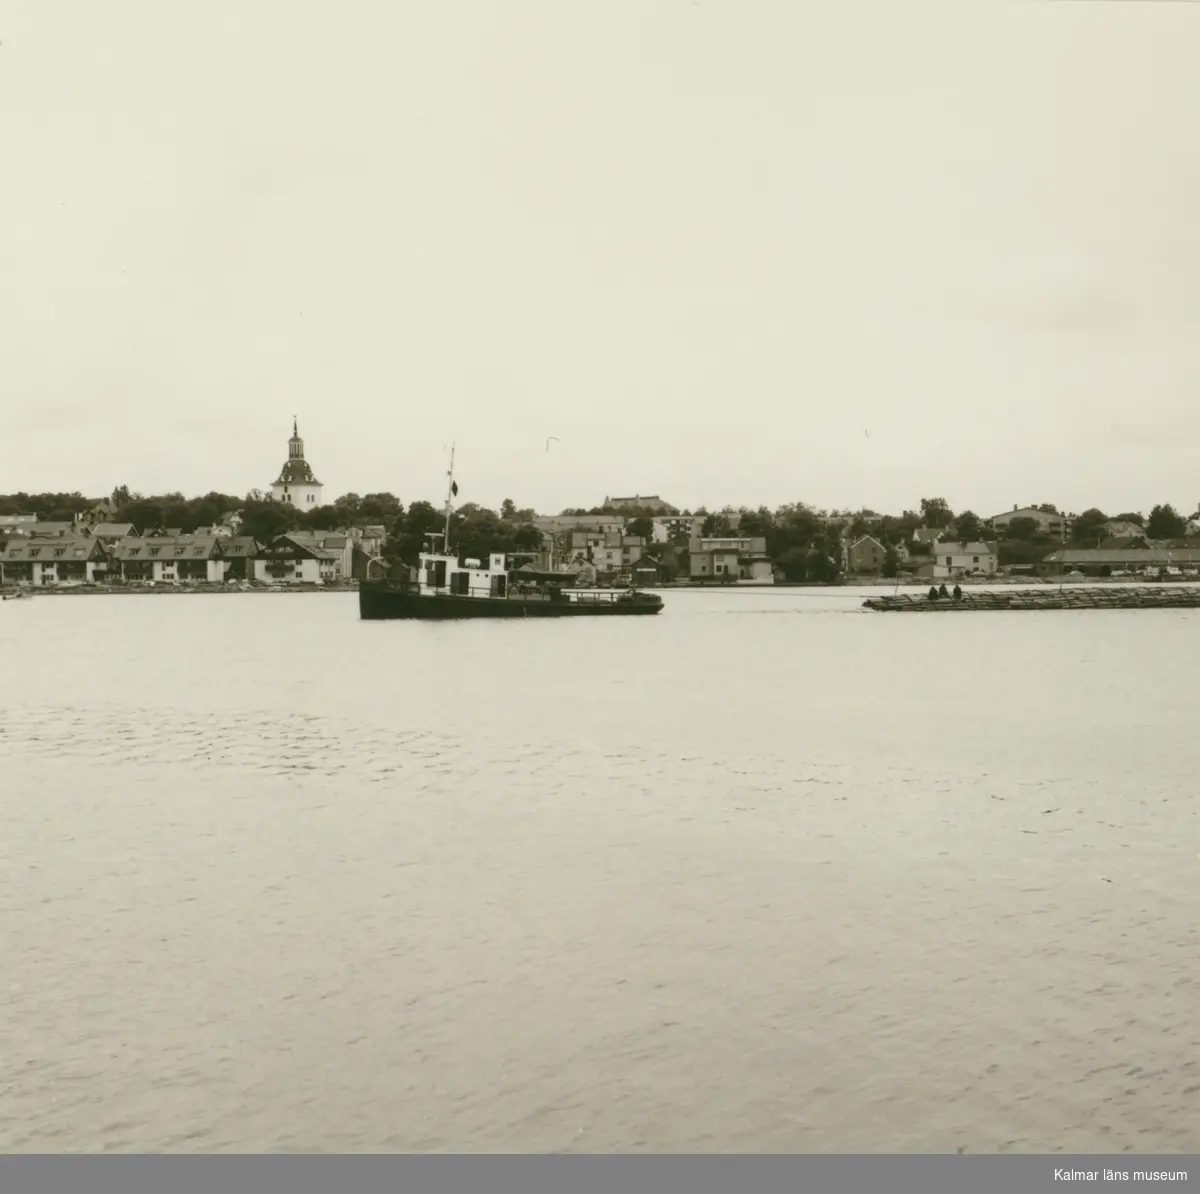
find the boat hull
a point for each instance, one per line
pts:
(378, 601)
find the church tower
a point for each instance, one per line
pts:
(297, 485)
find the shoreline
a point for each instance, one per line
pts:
(173, 590)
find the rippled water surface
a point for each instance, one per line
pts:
(764, 873)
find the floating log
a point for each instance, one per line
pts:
(1078, 597)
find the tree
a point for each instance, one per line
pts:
(376, 507)
(968, 527)
(756, 522)
(891, 562)
(264, 520)
(508, 510)
(1089, 528)
(1134, 517)
(936, 513)
(1022, 528)
(1165, 523)
(642, 526)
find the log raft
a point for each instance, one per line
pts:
(1078, 597)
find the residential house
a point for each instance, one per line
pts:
(866, 556)
(653, 503)
(1117, 528)
(53, 530)
(62, 560)
(1047, 523)
(17, 524)
(965, 559)
(239, 554)
(928, 536)
(618, 552)
(731, 559)
(104, 510)
(113, 532)
(169, 559)
(339, 544)
(291, 559)
(668, 528)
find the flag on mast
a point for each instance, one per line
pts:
(454, 488)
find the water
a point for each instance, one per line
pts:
(764, 873)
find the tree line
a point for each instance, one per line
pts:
(804, 542)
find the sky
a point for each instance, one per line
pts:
(725, 251)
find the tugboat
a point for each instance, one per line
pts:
(448, 588)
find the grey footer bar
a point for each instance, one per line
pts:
(564, 1175)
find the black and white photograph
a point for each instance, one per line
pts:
(713, 332)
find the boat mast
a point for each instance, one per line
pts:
(449, 500)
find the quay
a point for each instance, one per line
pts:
(1076, 597)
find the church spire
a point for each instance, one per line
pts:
(295, 444)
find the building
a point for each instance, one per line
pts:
(297, 485)
(112, 532)
(731, 559)
(239, 553)
(965, 559)
(1047, 523)
(618, 552)
(654, 504)
(169, 560)
(292, 560)
(62, 560)
(554, 524)
(669, 528)
(930, 535)
(866, 556)
(53, 530)
(647, 571)
(1146, 559)
(17, 524)
(1118, 528)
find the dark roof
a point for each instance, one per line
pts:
(163, 547)
(1154, 554)
(297, 472)
(113, 530)
(75, 547)
(50, 529)
(239, 547)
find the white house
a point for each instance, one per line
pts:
(297, 485)
(64, 560)
(965, 559)
(169, 560)
(733, 558)
(295, 560)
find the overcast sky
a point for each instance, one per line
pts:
(744, 251)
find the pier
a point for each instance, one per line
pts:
(1077, 597)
